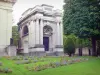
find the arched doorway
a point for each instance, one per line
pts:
(47, 33)
(25, 31)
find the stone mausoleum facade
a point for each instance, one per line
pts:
(5, 24)
(41, 31)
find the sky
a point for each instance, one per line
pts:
(22, 5)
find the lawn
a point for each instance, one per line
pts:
(90, 67)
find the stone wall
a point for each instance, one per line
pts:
(85, 51)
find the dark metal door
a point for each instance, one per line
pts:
(46, 43)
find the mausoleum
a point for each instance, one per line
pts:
(41, 31)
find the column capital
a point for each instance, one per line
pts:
(37, 18)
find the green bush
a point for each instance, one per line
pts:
(69, 44)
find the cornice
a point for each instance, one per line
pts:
(39, 9)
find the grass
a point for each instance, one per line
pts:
(90, 67)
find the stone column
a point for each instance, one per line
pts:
(58, 34)
(37, 31)
(32, 33)
(41, 32)
(61, 33)
(30, 38)
(59, 45)
(39, 48)
(51, 43)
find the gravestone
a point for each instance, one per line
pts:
(11, 50)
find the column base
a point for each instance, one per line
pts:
(59, 50)
(37, 50)
(59, 53)
(37, 53)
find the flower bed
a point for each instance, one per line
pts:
(21, 59)
(5, 70)
(62, 62)
(23, 62)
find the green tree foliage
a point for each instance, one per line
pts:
(64, 39)
(82, 18)
(15, 35)
(83, 43)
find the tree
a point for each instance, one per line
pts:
(15, 35)
(81, 17)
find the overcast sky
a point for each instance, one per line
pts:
(22, 5)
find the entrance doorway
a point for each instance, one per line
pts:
(46, 43)
(47, 32)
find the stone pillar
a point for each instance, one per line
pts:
(51, 43)
(32, 33)
(61, 33)
(41, 32)
(37, 31)
(26, 50)
(59, 44)
(39, 48)
(31, 37)
(53, 39)
(58, 34)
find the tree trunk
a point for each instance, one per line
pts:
(70, 54)
(80, 51)
(94, 53)
(98, 48)
(89, 52)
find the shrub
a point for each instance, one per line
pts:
(38, 68)
(69, 46)
(52, 65)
